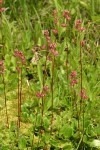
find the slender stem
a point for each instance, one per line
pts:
(78, 126)
(5, 100)
(52, 91)
(44, 75)
(18, 101)
(81, 100)
(81, 77)
(20, 92)
(67, 63)
(83, 118)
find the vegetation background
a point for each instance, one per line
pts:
(49, 74)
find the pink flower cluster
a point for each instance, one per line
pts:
(43, 93)
(55, 12)
(63, 25)
(78, 26)
(55, 32)
(1, 1)
(2, 68)
(73, 76)
(56, 19)
(40, 94)
(66, 14)
(51, 45)
(83, 94)
(21, 58)
(2, 9)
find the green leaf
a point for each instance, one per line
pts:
(22, 143)
(54, 142)
(66, 131)
(96, 18)
(46, 122)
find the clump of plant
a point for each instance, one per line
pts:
(2, 68)
(59, 91)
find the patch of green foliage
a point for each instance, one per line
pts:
(50, 75)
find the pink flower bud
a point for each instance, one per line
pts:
(81, 29)
(46, 88)
(46, 33)
(63, 25)
(65, 13)
(73, 82)
(55, 53)
(78, 21)
(1, 72)
(56, 20)
(1, 63)
(38, 94)
(1, 1)
(55, 12)
(73, 74)
(55, 31)
(52, 46)
(18, 69)
(83, 94)
(68, 18)
(43, 47)
(49, 58)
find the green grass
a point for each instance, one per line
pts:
(62, 119)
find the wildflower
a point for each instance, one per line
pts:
(81, 29)
(1, 1)
(55, 53)
(3, 9)
(48, 40)
(2, 67)
(65, 13)
(78, 21)
(43, 94)
(43, 47)
(63, 25)
(46, 33)
(40, 95)
(1, 72)
(52, 46)
(52, 50)
(56, 20)
(23, 60)
(73, 82)
(1, 63)
(78, 24)
(83, 94)
(18, 69)
(20, 55)
(73, 74)
(55, 31)
(55, 12)
(46, 88)
(48, 58)
(68, 18)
